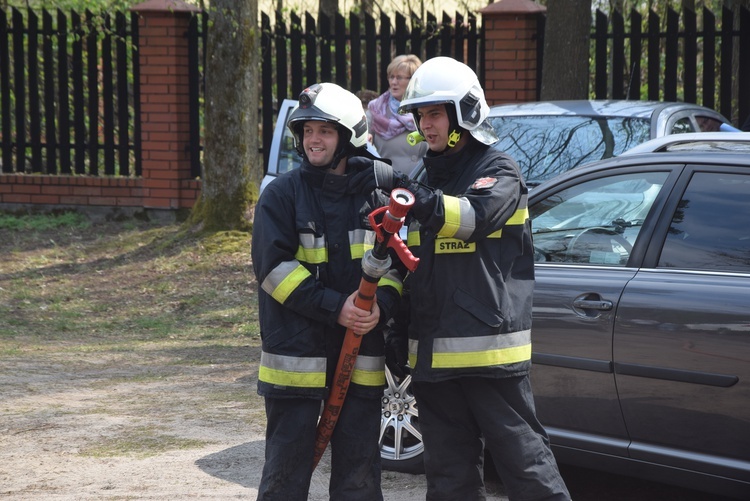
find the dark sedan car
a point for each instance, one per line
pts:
(641, 333)
(642, 316)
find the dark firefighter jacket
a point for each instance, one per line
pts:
(309, 235)
(471, 295)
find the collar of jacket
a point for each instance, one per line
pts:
(441, 168)
(323, 179)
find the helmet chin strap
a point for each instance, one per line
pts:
(455, 135)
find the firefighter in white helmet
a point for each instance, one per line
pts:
(468, 314)
(310, 231)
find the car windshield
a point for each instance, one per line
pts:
(545, 146)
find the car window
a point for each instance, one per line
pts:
(545, 146)
(708, 124)
(710, 228)
(289, 159)
(595, 222)
(682, 126)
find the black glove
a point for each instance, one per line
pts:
(397, 354)
(368, 174)
(425, 198)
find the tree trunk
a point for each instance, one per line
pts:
(232, 168)
(565, 72)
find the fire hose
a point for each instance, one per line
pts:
(375, 263)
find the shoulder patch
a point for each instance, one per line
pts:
(484, 183)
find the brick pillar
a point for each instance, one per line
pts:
(165, 105)
(510, 53)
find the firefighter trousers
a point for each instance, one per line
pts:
(290, 443)
(459, 417)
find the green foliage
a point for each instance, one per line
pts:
(42, 222)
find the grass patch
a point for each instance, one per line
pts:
(43, 222)
(127, 319)
(140, 442)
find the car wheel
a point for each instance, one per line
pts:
(401, 444)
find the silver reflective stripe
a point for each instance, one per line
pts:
(482, 351)
(283, 370)
(392, 278)
(312, 249)
(413, 349)
(360, 241)
(369, 371)
(284, 279)
(481, 343)
(460, 218)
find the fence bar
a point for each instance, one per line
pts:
(35, 126)
(134, 31)
(385, 50)
(371, 54)
(690, 56)
(194, 144)
(50, 131)
(356, 51)
(282, 84)
(709, 58)
(295, 42)
(123, 110)
(20, 90)
(654, 56)
(63, 92)
(744, 63)
(5, 110)
(324, 24)
(670, 57)
(725, 88)
(108, 96)
(600, 75)
(634, 75)
(311, 48)
(92, 59)
(446, 34)
(618, 55)
(340, 52)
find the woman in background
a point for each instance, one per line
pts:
(388, 128)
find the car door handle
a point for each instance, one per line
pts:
(593, 304)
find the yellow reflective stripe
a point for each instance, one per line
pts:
(501, 356)
(369, 371)
(284, 279)
(519, 217)
(360, 241)
(460, 219)
(283, 370)
(312, 249)
(413, 239)
(392, 278)
(482, 351)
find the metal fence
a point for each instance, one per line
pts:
(69, 93)
(69, 85)
(673, 60)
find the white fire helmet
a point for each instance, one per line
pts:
(329, 102)
(443, 80)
